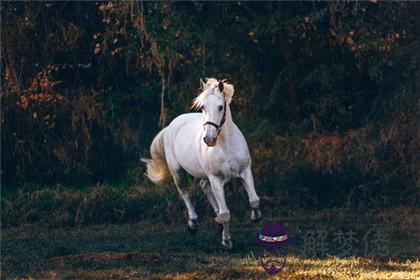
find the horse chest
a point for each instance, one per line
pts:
(228, 167)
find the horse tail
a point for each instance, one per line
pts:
(157, 167)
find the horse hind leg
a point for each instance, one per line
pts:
(180, 179)
(206, 188)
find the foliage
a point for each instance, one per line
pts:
(325, 91)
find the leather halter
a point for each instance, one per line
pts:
(219, 126)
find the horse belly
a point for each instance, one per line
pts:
(188, 160)
(195, 172)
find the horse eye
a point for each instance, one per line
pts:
(220, 108)
(202, 108)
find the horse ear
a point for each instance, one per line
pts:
(221, 86)
(202, 83)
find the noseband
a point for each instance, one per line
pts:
(219, 126)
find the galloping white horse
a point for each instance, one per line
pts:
(208, 146)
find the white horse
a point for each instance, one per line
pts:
(208, 146)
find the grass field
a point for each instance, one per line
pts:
(148, 250)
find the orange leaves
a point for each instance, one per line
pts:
(346, 39)
(390, 41)
(97, 49)
(38, 97)
(362, 37)
(43, 82)
(27, 98)
(114, 18)
(23, 102)
(106, 7)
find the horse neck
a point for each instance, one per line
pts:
(227, 128)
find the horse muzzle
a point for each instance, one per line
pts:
(210, 141)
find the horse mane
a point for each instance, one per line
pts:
(210, 84)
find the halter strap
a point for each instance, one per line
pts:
(219, 126)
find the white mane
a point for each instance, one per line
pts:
(208, 89)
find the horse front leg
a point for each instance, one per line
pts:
(223, 215)
(254, 200)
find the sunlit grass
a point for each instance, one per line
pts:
(219, 268)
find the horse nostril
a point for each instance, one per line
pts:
(210, 141)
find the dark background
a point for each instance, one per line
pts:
(326, 95)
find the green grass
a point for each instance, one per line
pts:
(151, 249)
(60, 206)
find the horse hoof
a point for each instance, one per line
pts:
(227, 244)
(255, 214)
(192, 227)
